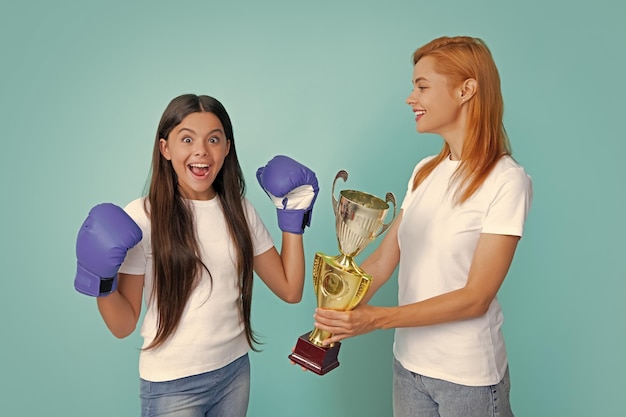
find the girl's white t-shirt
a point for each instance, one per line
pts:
(437, 239)
(211, 332)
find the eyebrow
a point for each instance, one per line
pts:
(418, 79)
(194, 132)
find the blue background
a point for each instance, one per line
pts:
(82, 88)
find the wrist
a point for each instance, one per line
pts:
(89, 283)
(293, 221)
(384, 318)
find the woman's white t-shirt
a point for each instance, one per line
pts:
(437, 239)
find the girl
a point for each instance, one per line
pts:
(199, 242)
(454, 240)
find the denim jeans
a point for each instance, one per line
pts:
(415, 395)
(219, 393)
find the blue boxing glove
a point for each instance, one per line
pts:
(103, 240)
(292, 187)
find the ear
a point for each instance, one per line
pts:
(227, 146)
(165, 150)
(468, 89)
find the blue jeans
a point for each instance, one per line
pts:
(223, 392)
(417, 395)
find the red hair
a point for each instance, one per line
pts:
(460, 58)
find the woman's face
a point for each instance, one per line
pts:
(435, 103)
(197, 148)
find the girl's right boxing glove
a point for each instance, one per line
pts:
(103, 240)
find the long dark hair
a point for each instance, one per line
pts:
(176, 259)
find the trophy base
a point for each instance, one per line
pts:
(320, 360)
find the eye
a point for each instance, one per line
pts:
(214, 139)
(421, 88)
(187, 139)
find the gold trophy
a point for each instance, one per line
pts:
(338, 281)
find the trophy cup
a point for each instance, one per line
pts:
(338, 281)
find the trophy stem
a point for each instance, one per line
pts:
(347, 264)
(344, 261)
(317, 336)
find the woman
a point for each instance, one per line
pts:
(453, 241)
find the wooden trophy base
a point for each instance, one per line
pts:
(315, 358)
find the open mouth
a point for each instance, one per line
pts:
(199, 170)
(419, 113)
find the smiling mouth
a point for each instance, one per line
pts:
(199, 170)
(419, 113)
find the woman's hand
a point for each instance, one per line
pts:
(344, 324)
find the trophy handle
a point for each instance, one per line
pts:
(344, 176)
(389, 198)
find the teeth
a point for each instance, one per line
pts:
(199, 165)
(418, 112)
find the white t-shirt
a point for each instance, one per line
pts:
(211, 331)
(437, 240)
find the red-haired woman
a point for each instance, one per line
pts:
(453, 241)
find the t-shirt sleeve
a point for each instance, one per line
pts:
(261, 238)
(512, 200)
(137, 256)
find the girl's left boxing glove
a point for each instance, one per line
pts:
(293, 188)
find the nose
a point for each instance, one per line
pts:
(201, 149)
(411, 100)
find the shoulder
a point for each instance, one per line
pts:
(261, 238)
(249, 210)
(421, 163)
(136, 206)
(509, 170)
(136, 209)
(247, 204)
(509, 180)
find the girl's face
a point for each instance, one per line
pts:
(197, 148)
(435, 103)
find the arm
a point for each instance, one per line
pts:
(284, 273)
(384, 260)
(121, 309)
(103, 241)
(490, 264)
(293, 188)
